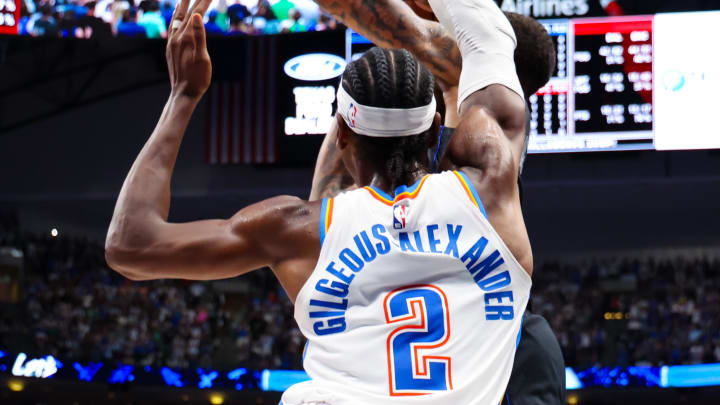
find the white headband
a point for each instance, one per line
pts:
(384, 122)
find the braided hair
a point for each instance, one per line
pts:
(392, 79)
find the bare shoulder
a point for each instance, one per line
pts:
(503, 104)
(284, 214)
(286, 230)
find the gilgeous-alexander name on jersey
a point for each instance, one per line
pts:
(414, 297)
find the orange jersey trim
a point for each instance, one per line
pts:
(406, 194)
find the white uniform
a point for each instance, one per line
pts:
(415, 300)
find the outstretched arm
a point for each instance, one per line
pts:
(141, 244)
(393, 24)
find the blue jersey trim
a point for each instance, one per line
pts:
(517, 343)
(305, 349)
(435, 162)
(399, 190)
(323, 215)
(474, 193)
(406, 189)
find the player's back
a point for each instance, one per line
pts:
(415, 299)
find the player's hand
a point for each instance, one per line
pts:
(186, 53)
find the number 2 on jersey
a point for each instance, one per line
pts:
(422, 310)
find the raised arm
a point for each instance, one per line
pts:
(141, 244)
(330, 177)
(393, 24)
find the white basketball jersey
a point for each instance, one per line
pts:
(415, 300)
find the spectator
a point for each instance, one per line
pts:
(118, 8)
(152, 20)
(167, 12)
(46, 24)
(282, 8)
(325, 23)
(238, 27)
(237, 11)
(211, 27)
(293, 24)
(90, 26)
(129, 27)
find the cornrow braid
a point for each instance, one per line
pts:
(383, 81)
(392, 79)
(410, 82)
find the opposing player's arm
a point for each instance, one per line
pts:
(331, 177)
(393, 24)
(141, 243)
(481, 148)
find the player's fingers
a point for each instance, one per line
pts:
(179, 15)
(200, 7)
(198, 32)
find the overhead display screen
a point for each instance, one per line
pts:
(623, 83)
(620, 83)
(601, 95)
(687, 72)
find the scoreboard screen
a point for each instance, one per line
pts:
(623, 83)
(9, 16)
(601, 95)
(620, 83)
(628, 83)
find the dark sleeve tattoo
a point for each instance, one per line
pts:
(393, 24)
(331, 177)
(333, 184)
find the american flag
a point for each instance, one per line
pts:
(241, 118)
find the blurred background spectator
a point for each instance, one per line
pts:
(101, 19)
(128, 27)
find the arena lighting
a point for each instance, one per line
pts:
(54, 232)
(700, 375)
(280, 380)
(44, 367)
(86, 373)
(172, 378)
(216, 399)
(235, 376)
(206, 378)
(572, 382)
(121, 375)
(314, 67)
(573, 399)
(16, 385)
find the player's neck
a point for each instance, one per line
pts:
(388, 185)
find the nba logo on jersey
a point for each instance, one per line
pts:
(400, 213)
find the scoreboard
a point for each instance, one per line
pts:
(620, 83)
(9, 16)
(615, 75)
(600, 97)
(604, 92)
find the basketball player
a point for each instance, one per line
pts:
(404, 288)
(539, 371)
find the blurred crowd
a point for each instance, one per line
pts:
(151, 18)
(74, 307)
(604, 312)
(632, 312)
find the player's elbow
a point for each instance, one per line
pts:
(120, 259)
(125, 259)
